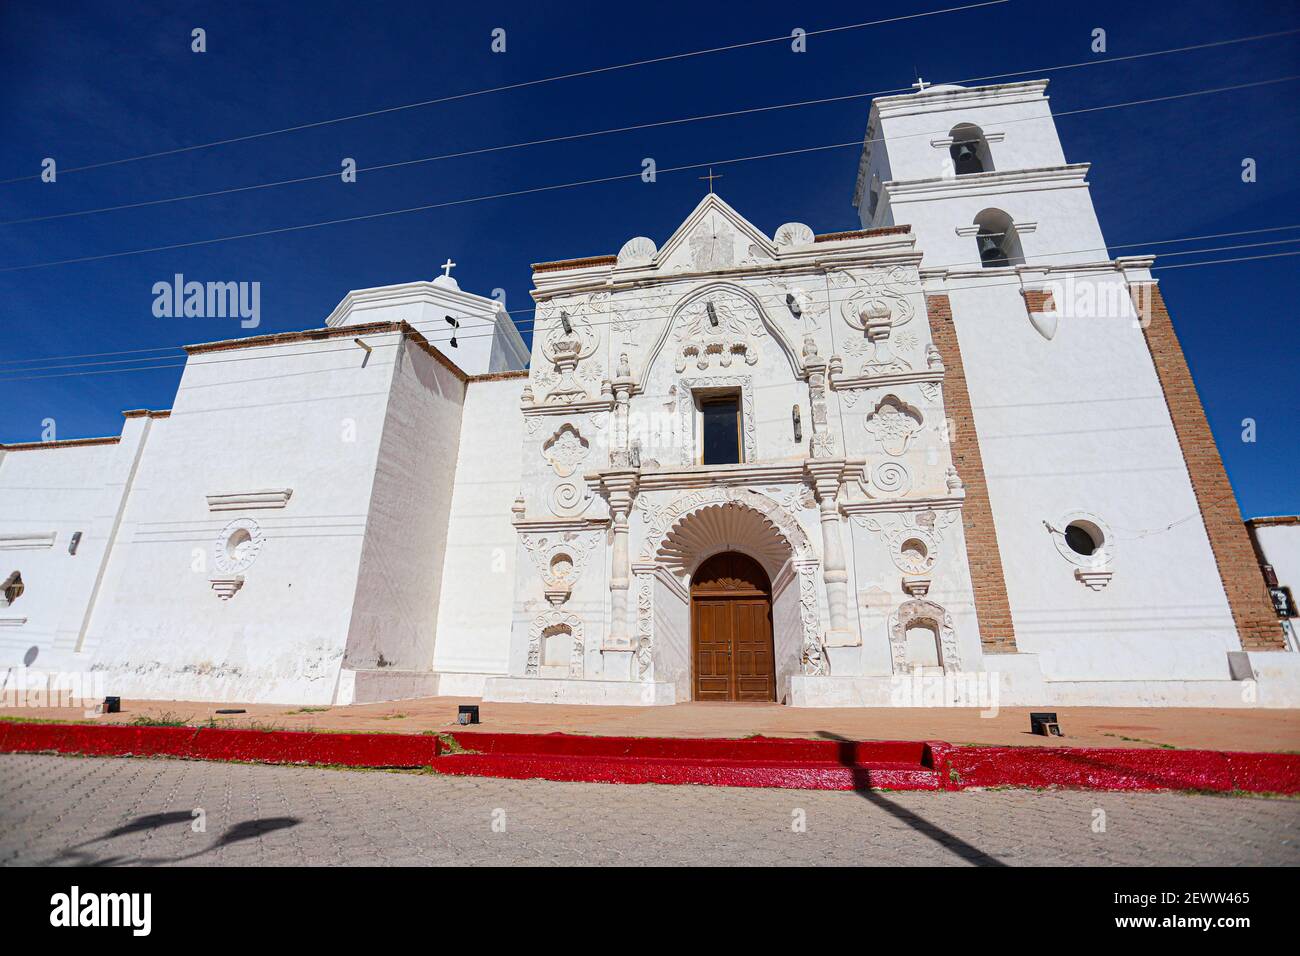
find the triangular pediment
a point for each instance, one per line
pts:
(714, 237)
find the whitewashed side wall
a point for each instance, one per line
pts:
(478, 577)
(46, 496)
(1075, 424)
(394, 617)
(306, 417)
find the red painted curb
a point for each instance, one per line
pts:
(749, 762)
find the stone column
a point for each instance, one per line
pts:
(619, 487)
(825, 475)
(620, 451)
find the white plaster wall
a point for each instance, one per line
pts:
(479, 571)
(1066, 228)
(1281, 546)
(672, 640)
(910, 123)
(59, 490)
(1078, 422)
(787, 633)
(394, 617)
(302, 416)
(486, 340)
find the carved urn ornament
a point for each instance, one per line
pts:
(568, 342)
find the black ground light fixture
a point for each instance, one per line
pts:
(467, 714)
(112, 705)
(1045, 725)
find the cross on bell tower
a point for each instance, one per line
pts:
(447, 267)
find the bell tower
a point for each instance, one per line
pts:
(980, 176)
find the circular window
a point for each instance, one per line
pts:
(237, 546)
(561, 566)
(1080, 540)
(916, 553)
(1083, 539)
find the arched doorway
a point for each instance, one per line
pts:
(731, 630)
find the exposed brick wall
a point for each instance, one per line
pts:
(1038, 300)
(1243, 582)
(997, 634)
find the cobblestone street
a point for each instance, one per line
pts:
(88, 811)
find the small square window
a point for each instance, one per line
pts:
(720, 429)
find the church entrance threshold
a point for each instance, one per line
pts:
(731, 631)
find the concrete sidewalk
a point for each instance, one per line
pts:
(1182, 728)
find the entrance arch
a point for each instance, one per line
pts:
(732, 652)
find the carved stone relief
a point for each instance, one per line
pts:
(718, 328)
(566, 450)
(550, 624)
(925, 613)
(712, 244)
(893, 423)
(913, 538)
(686, 413)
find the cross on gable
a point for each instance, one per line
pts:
(711, 178)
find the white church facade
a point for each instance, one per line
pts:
(795, 468)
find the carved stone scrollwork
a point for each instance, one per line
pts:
(686, 412)
(812, 656)
(893, 423)
(569, 339)
(719, 327)
(565, 450)
(560, 559)
(914, 539)
(933, 617)
(555, 625)
(877, 305)
(645, 609)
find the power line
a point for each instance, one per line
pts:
(589, 182)
(333, 174)
(517, 312)
(435, 340)
(630, 304)
(511, 86)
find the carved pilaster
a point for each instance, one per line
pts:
(826, 475)
(619, 488)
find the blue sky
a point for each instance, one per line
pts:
(86, 83)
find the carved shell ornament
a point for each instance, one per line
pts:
(793, 234)
(638, 249)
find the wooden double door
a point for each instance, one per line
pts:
(731, 630)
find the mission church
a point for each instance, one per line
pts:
(960, 440)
